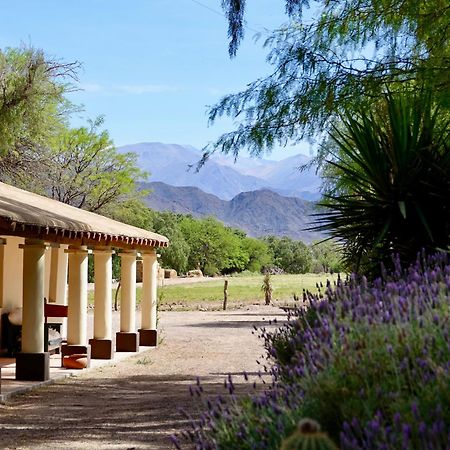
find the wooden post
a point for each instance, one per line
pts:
(116, 303)
(225, 294)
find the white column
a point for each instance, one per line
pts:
(149, 290)
(128, 288)
(77, 295)
(33, 296)
(47, 272)
(58, 275)
(102, 293)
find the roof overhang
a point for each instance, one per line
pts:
(33, 216)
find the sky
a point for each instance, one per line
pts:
(151, 68)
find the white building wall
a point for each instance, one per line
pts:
(11, 285)
(12, 274)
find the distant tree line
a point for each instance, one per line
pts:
(209, 245)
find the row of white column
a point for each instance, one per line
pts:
(33, 293)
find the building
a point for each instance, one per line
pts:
(44, 247)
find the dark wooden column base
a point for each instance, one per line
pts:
(127, 342)
(33, 366)
(101, 348)
(148, 338)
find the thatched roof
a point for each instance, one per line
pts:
(29, 215)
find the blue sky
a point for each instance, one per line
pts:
(150, 67)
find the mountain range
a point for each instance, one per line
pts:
(259, 196)
(259, 213)
(221, 176)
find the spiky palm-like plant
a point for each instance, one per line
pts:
(267, 288)
(390, 174)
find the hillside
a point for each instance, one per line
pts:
(220, 176)
(258, 213)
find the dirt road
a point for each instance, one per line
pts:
(135, 403)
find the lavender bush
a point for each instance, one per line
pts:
(369, 362)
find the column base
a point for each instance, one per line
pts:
(75, 356)
(32, 366)
(127, 342)
(101, 348)
(148, 338)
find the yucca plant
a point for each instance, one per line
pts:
(390, 173)
(267, 288)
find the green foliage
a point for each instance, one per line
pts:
(214, 248)
(32, 103)
(209, 245)
(196, 243)
(390, 171)
(326, 257)
(291, 256)
(258, 254)
(85, 170)
(338, 61)
(176, 255)
(371, 360)
(134, 212)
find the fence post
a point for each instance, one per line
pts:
(225, 294)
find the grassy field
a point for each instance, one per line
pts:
(241, 291)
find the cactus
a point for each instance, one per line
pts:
(308, 436)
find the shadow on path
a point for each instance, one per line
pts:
(131, 406)
(235, 324)
(136, 412)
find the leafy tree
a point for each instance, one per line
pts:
(203, 240)
(326, 257)
(133, 212)
(32, 102)
(342, 59)
(214, 248)
(83, 169)
(258, 254)
(291, 256)
(236, 257)
(175, 256)
(391, 181)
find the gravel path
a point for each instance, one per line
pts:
(135, 403)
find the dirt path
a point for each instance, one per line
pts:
(135, 403)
